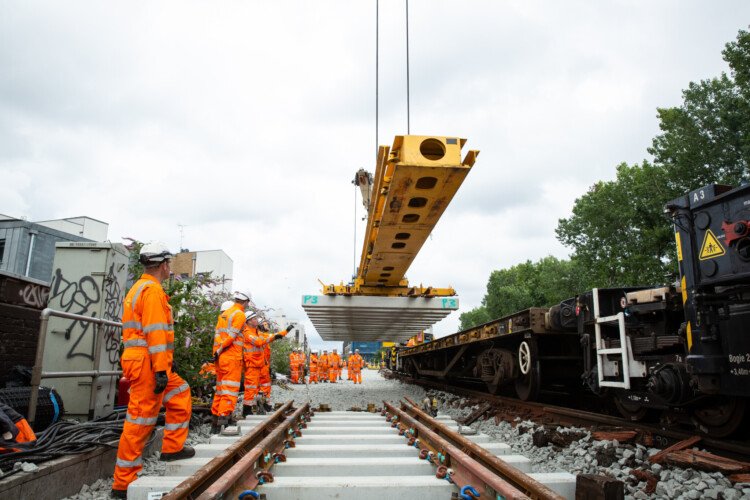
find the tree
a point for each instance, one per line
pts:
(540, 284)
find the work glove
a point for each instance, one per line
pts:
(161, 382)
(278, 336)
(216, 357)
(8, 429)
(290, 327)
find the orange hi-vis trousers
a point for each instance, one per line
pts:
(143, 410)
(313, 374)
(357, 376)
(332, 372)
(264, 381)
(228, 374)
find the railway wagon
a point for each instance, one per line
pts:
(677, 352)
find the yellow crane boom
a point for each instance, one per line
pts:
(414, 182)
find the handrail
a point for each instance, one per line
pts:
(37, 374)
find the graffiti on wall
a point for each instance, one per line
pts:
(34, 295)
(82, 296)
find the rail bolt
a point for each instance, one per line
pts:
(423, 453)
(442, 471)
(468, 492)
(411, 441)
(279, 457)
(264, 476)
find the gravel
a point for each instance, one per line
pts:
(589, 456)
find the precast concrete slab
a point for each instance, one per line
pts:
(225, 440)
(498, 449)
(391, 438)
(360, 422)
(347, 429)
(209, 450)
(352, 450)
(186, 467)
(148, 487)
(479, 438)
(562, 483)
(358, 488)
(347, 414)
(359, 466)
(520, 462)
(363, 318)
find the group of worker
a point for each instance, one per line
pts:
(148, 363)
(325, 368)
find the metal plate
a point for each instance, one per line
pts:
(360, 318)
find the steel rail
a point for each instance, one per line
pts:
(242, 475)
(465, 468)
(204, 477)
(518, 479)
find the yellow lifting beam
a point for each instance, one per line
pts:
(415, 180)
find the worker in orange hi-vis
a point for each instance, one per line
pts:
(148, 341)
(323, 366)
(256, 364)
(349, 368)
(265, 372)
(313, 368)
(357, 364)
(294, 367)
(333, 366)
(228, 351)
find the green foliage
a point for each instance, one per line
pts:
(529, 284)
(280, 351)
(618, 230)
(195, 308)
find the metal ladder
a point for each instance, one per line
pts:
(601, 351)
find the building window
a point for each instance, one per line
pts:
(2, 250)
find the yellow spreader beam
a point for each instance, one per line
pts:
(415, 180)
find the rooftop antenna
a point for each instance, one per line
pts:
(182, 234)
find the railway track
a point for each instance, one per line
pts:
(399, 452)
(656, 435)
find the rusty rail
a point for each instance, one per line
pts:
(518, 479)
(465, 470)
(204, 477)
(246, 473)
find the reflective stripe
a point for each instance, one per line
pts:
(184, 387)
(174, 427)
(135, 343)
(267, 384)
(170, 346)
(137, 294)
(227, 392)
(157, 326)
(230, 382)
(141, 420)
(239, 343)
(253, 349)
(251, 386)
(153, 349)
(129, 463)
(132, 324)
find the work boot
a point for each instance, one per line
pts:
(268, 406)
(215, 427)
(119, 493)
(247, 410)
(185, 452)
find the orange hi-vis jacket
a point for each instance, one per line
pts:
(228, 338)
(334, 361)
(356, 362)
(255, 343)
(323, 362)
(313, 363)
(145, 325)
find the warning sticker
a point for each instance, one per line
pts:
(711, 247)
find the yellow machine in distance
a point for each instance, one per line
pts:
(414, 182)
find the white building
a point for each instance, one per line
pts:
(298, 334)
(85, 227)
(216, 262)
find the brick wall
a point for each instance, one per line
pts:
(19, 331)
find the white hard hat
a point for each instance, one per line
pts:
(250, 315)
(241, 296)
(356, 350)
(226, 305)
(154, 252)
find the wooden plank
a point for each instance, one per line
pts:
(686, 443)
(706, 461)
(621, 436)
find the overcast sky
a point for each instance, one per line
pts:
(246, 121)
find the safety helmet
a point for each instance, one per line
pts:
(356, 350)
(250, 315)
(226, 305)
(241, 297)
(154, 252)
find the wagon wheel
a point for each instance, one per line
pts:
(631, 410)
(529, 380)
(721, 418)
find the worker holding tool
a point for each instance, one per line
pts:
(323, 366)
(227, 350)
(256, 361)
(147, 361)
(357, 363)
(313, 368)
(333, 366)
